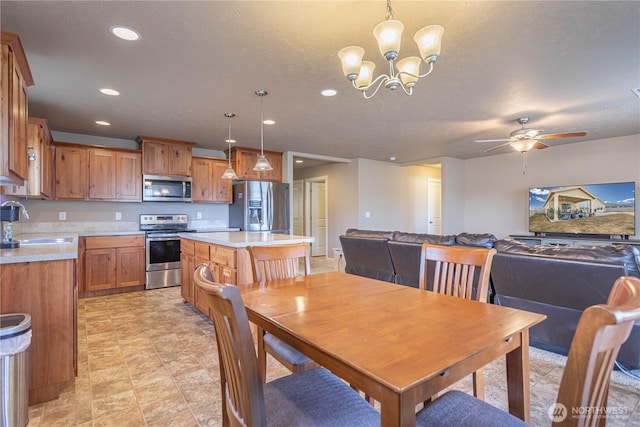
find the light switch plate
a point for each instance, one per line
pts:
(62, 216)
(118, 216)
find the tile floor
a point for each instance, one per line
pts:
(148, 359)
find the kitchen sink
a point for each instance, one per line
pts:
(46, 241)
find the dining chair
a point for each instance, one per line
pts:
(272, 263)
(311, 398)
(602, 329)
(457, 271)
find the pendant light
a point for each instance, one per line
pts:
(262, 165)
(229, 173)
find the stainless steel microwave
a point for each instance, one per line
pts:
(159, 188)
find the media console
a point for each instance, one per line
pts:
(572, 241)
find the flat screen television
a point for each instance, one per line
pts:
(592, 210)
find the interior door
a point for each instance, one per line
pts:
(434, 207)
(319, 218)
(298, 207)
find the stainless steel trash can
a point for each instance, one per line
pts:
(15, 339)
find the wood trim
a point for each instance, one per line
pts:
(13, 41)
(89, 294)
(98, 147)
(140, 139)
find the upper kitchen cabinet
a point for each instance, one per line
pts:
(40, 182)
(244, 159)
(165, 156)
(15, 77)
(97, 173)
(208, 185)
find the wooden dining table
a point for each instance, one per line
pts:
(398, 344)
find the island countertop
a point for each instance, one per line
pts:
(42, 252)
(242, 239)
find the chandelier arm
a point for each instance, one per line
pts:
(407, 92)
(380, 79)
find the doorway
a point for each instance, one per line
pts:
(434, 208)
(310, 212)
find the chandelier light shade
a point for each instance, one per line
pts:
(403, 74)
(229, 173)
(262, 165)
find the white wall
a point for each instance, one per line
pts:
(496, 190)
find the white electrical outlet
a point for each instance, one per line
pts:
(62, 216)
(118, 216)
(198, 215)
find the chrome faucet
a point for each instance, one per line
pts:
(23, 209)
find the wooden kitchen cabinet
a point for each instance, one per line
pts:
(162, 156)
(207, 182)
(115, 175)
(15, 77)
(40, 171)
(111, 262)
(97, 173)
(244, 159)
(228, 265)
(46, 291)
(71, 172)
(187, 265)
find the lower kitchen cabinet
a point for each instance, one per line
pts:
(227, 264)
(46, 291)
(112, 262)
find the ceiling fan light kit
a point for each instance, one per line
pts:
(525, 139)
(406, 72)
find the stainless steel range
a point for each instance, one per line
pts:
(163, 248)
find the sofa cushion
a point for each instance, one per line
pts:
(627, 255)
(354, 232)
(368, 257)
(434, 239)
(484, 240)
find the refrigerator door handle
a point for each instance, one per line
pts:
(270, 206)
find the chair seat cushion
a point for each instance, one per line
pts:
(316, 398)
(458, 409)
(289, 353)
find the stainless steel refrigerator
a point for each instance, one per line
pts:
(260, 206)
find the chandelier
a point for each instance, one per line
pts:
(229, 173)
(262, 165)
(406, 73)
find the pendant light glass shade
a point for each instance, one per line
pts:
(229, 173)
(262, 164)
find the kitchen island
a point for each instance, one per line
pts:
(39, 279)
(227, 256)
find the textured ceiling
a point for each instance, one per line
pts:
(570, 66)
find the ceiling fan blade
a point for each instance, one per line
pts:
(561, 135)
(499, 146)
(540, 146)
(492, 140)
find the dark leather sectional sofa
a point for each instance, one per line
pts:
(559, 282)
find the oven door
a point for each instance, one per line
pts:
(162, 253)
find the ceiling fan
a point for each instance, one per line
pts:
(525, 139)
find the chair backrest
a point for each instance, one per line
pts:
(239, 375)
(279, 261)
(455, 269)
(602, 329)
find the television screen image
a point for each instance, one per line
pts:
(605, 209)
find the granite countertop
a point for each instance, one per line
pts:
(41, 252)
(241, 239)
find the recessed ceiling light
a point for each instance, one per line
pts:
(110, 92)
(329, 92)
(269, 122)
(392, 158)
(124, 33)
(102, 123)
(229, 141)
(299, 161)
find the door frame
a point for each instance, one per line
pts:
(307, 207)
